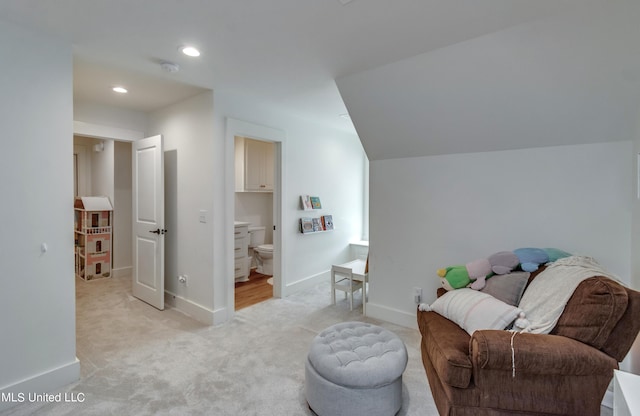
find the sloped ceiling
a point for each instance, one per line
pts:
(567, 79)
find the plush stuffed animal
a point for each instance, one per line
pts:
(454, 277)
(475, 273)
(555, 254)
(531, 258)
(478, 271)
(503, 262)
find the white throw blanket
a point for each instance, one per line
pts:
(546, 297)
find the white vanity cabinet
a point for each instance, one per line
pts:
(241, 251)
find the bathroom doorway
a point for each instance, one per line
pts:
(254, 186)
(255, 193)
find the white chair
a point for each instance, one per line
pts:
(345, 283)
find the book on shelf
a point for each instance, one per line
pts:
(306, 225)
(317, 224)
(327, 221)
(306, 202)
(315, 202)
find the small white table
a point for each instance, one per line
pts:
(625, 393)
(358, 271)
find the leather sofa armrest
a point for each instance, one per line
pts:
(536, 354)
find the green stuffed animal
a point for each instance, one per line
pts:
(454, 277)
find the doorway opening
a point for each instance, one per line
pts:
(102, 167)
(247, 192)
(253, 205)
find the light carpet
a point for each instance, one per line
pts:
(136, 360)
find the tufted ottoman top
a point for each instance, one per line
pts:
(357, 354)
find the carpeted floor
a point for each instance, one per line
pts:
(136, 360)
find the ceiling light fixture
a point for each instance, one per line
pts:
(190, 51)
(120, 90)
(345, 116)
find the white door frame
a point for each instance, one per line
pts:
(241, 128)
(97, 131)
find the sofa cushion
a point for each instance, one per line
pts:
(593, 311)
(473, 310)
(448, 348)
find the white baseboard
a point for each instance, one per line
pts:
(197, 312)
(41, 383)
(394, 316)
(220, 316)
(122, 271)
(306, 283)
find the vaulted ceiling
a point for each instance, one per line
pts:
(418, 77)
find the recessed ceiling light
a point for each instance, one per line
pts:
(120, 90)
(190, 51)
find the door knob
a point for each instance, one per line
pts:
(156, 231)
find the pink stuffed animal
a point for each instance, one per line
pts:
(503, 262)
(478, 271)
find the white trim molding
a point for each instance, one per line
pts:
(197, 312)
(81, 128)
(394, 316)
(40, 383)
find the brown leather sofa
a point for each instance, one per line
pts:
(566, 372)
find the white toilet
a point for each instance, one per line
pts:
(261, 253)
(264, 257)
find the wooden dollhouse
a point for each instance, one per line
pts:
(93, 232)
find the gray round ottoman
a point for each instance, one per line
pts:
(355, 368)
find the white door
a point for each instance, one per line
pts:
(148, 221)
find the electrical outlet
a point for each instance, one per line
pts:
(417, 294)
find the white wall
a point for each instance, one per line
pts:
(83, 165)
(431, 212)
(102, 170)
(37, 300)
(106, 115)
(190, 169)
(316, 160)
(256, 208)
